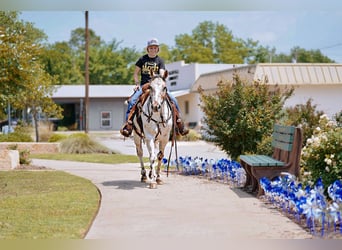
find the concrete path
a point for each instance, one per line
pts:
(183, 208)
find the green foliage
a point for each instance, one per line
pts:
(265, 146)
(210, 43)
(309, 56)
(61, 62)
(191, 136)
(109, 64)
(23, 82)
(57, 137)
(24, 155)
(80, 143)
(322, 154)
(304, 115)
(240, 114)
(16, 136)
(338, 118)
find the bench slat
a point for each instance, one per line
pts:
(260, 160)
(283, 137)
(284, 129)
(282, 145)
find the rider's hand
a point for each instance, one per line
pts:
(136, 87)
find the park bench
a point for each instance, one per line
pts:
(287, 146)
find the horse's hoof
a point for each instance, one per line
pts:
(143, 179)
(159, 182)
(153, 185)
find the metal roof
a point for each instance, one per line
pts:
(299, 73)
(276, 73)
(95, 91)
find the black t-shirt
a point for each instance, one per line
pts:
(145, 63)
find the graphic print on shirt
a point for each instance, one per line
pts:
(148, 66)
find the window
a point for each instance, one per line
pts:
(106, 118)
(186, 107)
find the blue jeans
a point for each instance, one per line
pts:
(135, 97)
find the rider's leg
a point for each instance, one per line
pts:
(127, 129)
(182, 130)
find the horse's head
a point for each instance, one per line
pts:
(157, 90)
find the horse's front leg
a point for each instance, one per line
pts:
(162, 144)
(151, 149)
(139, 150)
(160, 158)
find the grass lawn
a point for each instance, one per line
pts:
(95, 158)
(45, 205)
(49, 204)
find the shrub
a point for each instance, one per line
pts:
(191, 136)
(241, 113)
(304, 115)
(322, 154)
(45, 131)
(265, 146)
(16, 137)
(24, 155)
(80, 143)
(57, 137)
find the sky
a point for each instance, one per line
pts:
(307, 24)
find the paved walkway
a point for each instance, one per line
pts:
(184, 207)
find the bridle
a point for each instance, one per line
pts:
(150, 113)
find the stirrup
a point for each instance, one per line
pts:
(181, 129)
(127, 129)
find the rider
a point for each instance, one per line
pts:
(149, 61)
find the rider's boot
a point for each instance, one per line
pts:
(180, 127)
(127, 128)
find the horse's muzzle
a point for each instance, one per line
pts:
(155, 108)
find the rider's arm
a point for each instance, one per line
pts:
(136, 75)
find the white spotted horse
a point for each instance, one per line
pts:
(152, 125)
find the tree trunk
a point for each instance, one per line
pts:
(35, 118)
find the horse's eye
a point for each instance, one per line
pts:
(165, 89)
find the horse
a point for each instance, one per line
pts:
(152, 125)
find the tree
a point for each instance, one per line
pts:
(61, 62)
(77, 39)
(37, 96)
(110, 65)
(301, 55)
(23, 82)
(240, 114)
(210, 43)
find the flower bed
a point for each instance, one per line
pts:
(308, 206)
(222, 170)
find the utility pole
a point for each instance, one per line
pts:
(86, 106)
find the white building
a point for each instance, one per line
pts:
(320, 82)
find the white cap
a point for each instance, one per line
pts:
(153, 41)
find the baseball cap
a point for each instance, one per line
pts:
(153, 41)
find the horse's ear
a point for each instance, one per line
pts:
(166, 73)
(152, 73)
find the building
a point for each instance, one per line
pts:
(321, 82)
(106, 106)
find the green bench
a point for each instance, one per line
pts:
(287, 147)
